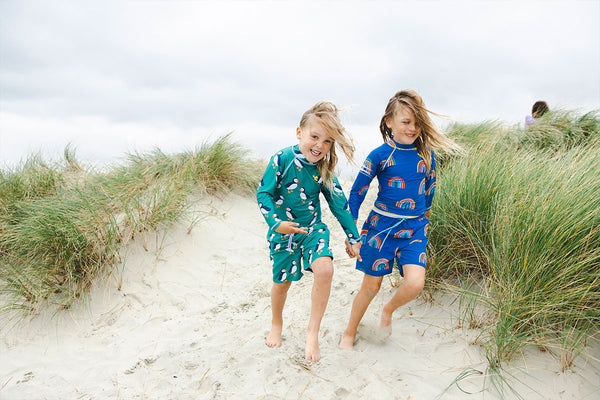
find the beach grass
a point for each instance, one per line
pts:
(516, 226)
(61, 227)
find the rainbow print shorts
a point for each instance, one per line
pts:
(385, 239)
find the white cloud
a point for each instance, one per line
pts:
(161, 72)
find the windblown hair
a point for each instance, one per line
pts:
(430, 138)
(539, 108)
(326, 114)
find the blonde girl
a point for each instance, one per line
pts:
(397, 226)
(288, 197)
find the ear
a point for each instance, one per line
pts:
(387, 123)
(298, 132)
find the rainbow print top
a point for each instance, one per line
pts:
(406, 188)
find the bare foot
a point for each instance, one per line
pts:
(385, 327)
(347, 342)
(274, 338)
(312, 351)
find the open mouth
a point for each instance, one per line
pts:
(315, 153)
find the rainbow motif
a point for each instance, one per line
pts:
(389, 162)
(422, 167)
(375, 241)
(432, 174)
(363, 190)
(425, 229)
(415, 241)
(422, 258)
(406, 204)
(381, 206)
(396, 182)
(367, 167)
(374, 220)
(404, 234)
(422, 186)
(431, 189)
(363, 235)
(380, 265)
(397, 253)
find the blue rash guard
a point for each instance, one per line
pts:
(397, 226)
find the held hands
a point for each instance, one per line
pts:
(353, 250)
(287, 227)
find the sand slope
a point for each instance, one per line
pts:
(193, 312)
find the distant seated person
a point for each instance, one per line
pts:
(539, 108)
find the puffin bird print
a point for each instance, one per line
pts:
(282, 275)
(294, 268)
(320, 245)
(277, 159)
(292, 185)
(338, 189)
(289, 213)
(264, 209)
(303, 195)
(311, 206)
(279, 201)
(298, 163)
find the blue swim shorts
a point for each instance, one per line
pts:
(287, 251)
(385, 239)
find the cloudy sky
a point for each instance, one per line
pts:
(124, 76)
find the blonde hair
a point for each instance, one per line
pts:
(430, 138)
(326, 114)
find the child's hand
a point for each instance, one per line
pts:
(287, 227)
(353, 250)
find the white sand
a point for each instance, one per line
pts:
(191, 319)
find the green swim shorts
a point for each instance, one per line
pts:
(287, 251)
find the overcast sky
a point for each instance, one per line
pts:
(124, 76)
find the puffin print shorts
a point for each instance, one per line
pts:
(287, 251)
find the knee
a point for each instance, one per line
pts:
(414, 287)
(323, 268)
(370, 289)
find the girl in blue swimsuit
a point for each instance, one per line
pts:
(396, 228)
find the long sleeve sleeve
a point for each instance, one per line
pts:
(363, 180)
(430, 183)
(265, 194)
(339, 207)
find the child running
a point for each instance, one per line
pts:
(288, 197)
(396, 228)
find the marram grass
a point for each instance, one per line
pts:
(521, 222)
(62, 227)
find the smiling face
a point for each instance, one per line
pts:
(314, 141)
(403, 125)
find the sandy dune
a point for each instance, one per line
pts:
(193, 312)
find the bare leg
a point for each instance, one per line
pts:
(414, 280)
(368, 290)
(278, 296)
(323, 274)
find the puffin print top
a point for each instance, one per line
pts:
(289, 191)
(406, 189)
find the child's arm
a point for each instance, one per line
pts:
(430, 185)
(339, 207)
(286, 227)
(266, 193)
(361, 184)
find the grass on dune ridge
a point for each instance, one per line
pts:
(518, 218)
(61, 226)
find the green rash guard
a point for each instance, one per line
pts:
(289, 191)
